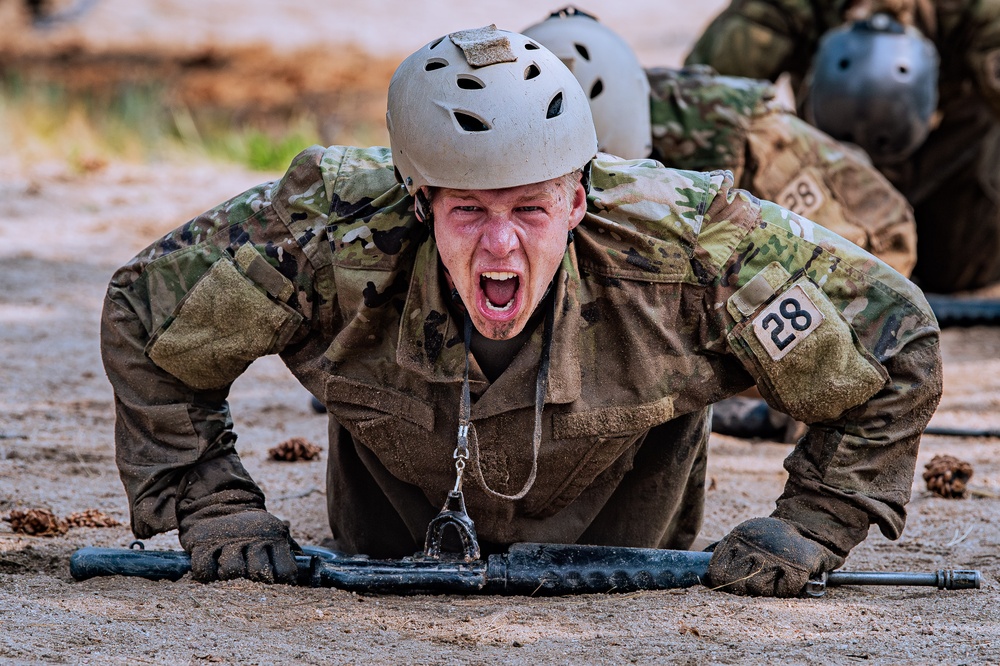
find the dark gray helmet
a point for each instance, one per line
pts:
(874, 83)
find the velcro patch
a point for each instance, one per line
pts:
(786, 322)
(804, 195)
(758, 290)
(483, 46)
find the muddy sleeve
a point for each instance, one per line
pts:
(180, 323)
(984, 52)
(837, 339)
(758, 39)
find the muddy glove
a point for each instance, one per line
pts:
(226, 529)
(767, 557)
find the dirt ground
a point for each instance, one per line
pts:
(62, 233)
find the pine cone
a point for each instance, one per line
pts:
(91, 518)
(947, 476)
(39, 522)
(294, 449)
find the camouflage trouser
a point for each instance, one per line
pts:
(659, 503)
(953, 183)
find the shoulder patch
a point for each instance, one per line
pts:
(786, 322)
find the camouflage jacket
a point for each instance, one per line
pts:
(677, 291)
(703, 121)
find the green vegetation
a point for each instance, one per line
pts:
(135, 122)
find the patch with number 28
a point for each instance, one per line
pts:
(786, 322)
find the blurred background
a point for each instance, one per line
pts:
(249, 82)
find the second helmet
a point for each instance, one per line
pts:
(610, 74)
(874, 84)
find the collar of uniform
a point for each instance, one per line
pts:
(430, 342)
(430, 339)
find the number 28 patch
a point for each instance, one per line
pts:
(787, 321)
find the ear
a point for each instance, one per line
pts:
(579, 207)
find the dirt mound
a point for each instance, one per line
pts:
(249, 85)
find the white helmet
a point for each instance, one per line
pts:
(610, 74)
(486, 109)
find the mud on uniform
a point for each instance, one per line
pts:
(677, 291)
(703, 121)
(953, 180)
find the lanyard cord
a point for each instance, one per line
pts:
(467, 431)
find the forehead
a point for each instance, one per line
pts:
(549, 189)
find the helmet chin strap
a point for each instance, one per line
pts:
(422, 208)
(468, 442)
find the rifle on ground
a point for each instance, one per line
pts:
(525, 569)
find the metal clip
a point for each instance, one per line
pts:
(816, 587)
(461, 535)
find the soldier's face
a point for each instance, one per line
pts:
(502, 247)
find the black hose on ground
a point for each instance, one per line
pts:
(961, 311)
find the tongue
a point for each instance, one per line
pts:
(499, 291)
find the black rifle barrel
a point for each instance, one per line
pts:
(943, 579)
(526, 569)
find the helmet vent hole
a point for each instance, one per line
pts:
(555, 106)
(436, 63)
(582, 50)
(531, 72)
(470, 123)
(435, 44)
(470, 83)
(596, 89)
(531, 46)
(903, 69)
(843, 63)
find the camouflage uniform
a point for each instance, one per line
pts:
(656, 306)
(953, 180)
(703, 121)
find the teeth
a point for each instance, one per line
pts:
(499, 275)
(501, 308)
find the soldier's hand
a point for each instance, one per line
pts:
(247, 544)
(767, 557)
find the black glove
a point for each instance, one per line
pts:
(224, 526)
(767, 557)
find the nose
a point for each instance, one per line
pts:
(499, 237)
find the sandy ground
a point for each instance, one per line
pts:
(660, 31)
(63, 232)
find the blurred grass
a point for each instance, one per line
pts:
(137, 122)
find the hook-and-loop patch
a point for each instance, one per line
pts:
(786, 322)
(805, 357)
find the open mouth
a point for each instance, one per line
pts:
(500, 290)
